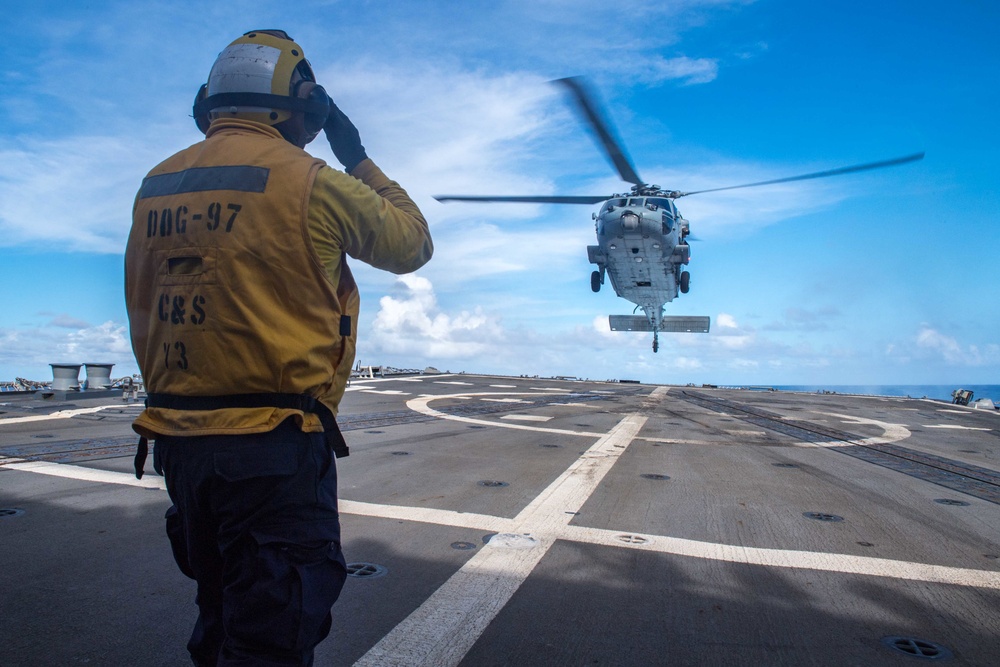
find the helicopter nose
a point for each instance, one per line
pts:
(630, 221)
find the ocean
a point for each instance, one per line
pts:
(937, 391)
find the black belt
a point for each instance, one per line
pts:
(303, 402)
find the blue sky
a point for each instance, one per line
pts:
(886, 277)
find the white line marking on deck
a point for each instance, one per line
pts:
(61, 414)
(804, 560)
(388, 392)
(441, 631)
(810, 560)
(420, 405)
(439, 517)
(84, 474)
(527, 418)
(957, 427)
(504, 386)
(891, 433)
(362, 383)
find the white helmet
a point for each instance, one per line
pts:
(263, 76)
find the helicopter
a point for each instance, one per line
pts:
(642, 239)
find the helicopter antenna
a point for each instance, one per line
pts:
(818, 174)
(601, 126)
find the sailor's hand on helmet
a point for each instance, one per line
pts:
(345, 141)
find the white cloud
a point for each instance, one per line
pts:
(71, 194)
(28, 352)
(954, 352)
(726, 321)
(735, 214)
(690, 70)
(68, 322)
(412, 323)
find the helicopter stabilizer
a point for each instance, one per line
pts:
(674, 324)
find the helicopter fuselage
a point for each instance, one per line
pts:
(642, 249)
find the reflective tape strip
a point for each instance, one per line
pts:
(241, 178)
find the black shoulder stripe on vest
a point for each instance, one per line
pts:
(241, 178)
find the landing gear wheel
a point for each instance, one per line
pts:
(595, 281)
(685, 282)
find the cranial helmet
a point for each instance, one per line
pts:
(263, 76)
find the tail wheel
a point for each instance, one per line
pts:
(595, 281)
(685, 282)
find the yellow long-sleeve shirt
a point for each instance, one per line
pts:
(271, 286)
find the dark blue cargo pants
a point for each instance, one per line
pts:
(255, 523)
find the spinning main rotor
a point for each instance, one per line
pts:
(585, 104)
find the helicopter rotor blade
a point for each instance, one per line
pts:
(554, 199)
(602, 127)
(820, 174)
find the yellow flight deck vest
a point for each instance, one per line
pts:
(225, 292)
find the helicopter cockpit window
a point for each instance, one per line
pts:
(660, 203)
(612, 204)
(635, 202)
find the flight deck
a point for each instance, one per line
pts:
(532, 521)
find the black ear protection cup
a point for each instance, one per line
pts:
(200, 114)
(317, 106)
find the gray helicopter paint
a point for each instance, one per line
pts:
(639, 247)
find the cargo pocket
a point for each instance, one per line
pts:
(178, 543)
(285, 605)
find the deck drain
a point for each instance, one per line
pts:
(951, 501)
(917, 648)
(476, 426)
(784, 465)
(633, 539)
(463, 546)
(866, 544)
(43, 435)
(7, 513)
(365, 570)
(991, 556)
(550, 446)
(492, 482)
(653, 475)
(821, 516)
(400, 453)
(374, 432)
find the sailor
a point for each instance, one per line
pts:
(243, 315)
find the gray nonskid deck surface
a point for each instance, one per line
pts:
(522, 521)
